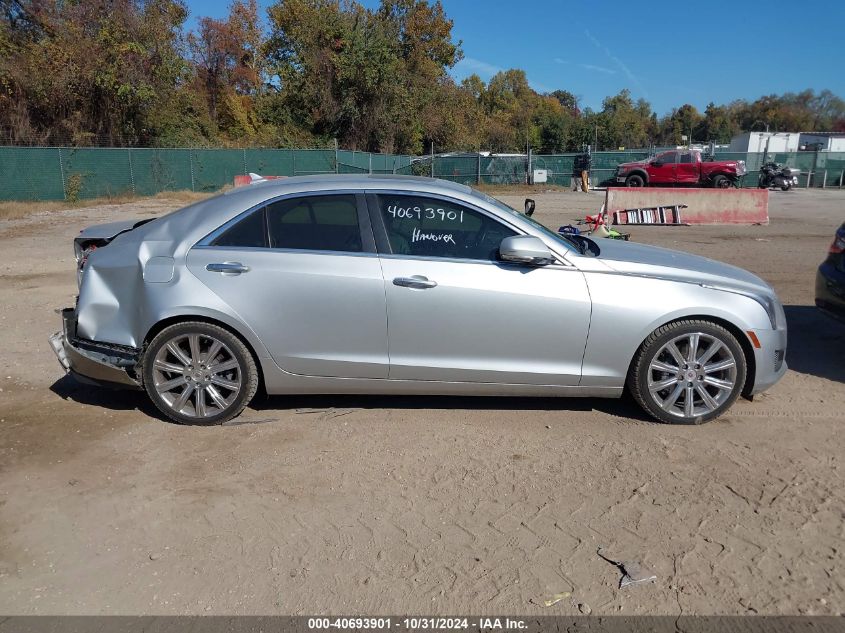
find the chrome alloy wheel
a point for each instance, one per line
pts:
(197, 375)
(692, 375)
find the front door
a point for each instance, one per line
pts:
(307, 282)
(456, 314)
(662, 168)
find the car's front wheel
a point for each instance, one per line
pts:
(722, 182)
(199, 373)
(688, 372)
(635, 180)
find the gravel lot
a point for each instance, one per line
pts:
(422, 505)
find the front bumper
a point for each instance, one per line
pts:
(769, 359)
(92, 361)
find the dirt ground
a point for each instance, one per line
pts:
(423, 505)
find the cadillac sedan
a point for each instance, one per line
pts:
(405, 285)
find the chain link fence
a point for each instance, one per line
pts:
(66, 173)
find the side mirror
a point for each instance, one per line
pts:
(525, 249)
(656, 163)
(529, 207)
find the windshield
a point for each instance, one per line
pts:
(557, 237)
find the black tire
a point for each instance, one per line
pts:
(635, 180)
(721, 182)
(653, 349)
(244, 375)
(785, 187)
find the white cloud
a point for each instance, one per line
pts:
(593, 67)
(470, 65)
(618, 62)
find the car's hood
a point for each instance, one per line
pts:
(634, 163)
(642, 259)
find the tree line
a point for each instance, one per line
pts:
(128, 73)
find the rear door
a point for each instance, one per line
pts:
(303, 273)
(661, 170)
(456, 314)
(686, 172)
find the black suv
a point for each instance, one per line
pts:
(830, 280)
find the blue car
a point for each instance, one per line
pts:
(830, 280)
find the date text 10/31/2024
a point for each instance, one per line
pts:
(419, 623)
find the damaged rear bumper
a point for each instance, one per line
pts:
(92, 361)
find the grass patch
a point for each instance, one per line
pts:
(17, 210)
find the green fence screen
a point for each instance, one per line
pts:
(64, 173)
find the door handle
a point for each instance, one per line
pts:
(415, 281)
(228, 268)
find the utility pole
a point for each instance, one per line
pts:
(432, 159)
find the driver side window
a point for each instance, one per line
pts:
(669, 158)
(428, 227)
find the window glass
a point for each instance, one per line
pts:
(669, 158)
(319, 223)
(249, 231)
(428, 227)
(686, 158)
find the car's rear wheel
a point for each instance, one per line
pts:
(688, 372)
(199, 373)
(635, 180)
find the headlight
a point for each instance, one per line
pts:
(769, 303)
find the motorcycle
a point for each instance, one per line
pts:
(774, 175)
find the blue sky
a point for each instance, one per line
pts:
(669, 53)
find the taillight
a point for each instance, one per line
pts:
(838, 245)
(85, 254)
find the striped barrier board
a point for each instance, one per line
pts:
(700, 206)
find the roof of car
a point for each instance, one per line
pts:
(354, 181)
(201, 217)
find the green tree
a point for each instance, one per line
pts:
(623, 123)
(718, 124)
(371, 79)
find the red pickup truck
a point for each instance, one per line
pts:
(681, 167)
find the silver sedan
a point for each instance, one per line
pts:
(404, 285)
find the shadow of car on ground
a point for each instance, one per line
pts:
(816, 343)
(68, 388)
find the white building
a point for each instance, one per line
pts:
(824, 141)
(771, 142)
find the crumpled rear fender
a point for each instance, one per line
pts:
(122, 298)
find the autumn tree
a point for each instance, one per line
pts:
(623, 122)
(88, 72)
(123, 72)
(371, 79)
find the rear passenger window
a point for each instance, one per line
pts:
(317, 223)
(686, 158)
(246, 232)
